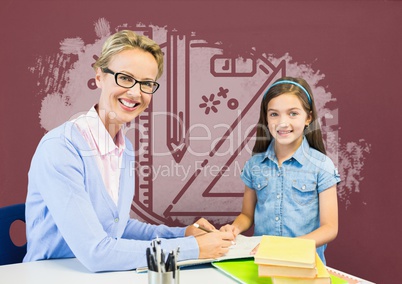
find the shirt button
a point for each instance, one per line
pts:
(278, 196)
(116, 220)
(279, 174)
(277, 218)
(258, 185)
(303, 187)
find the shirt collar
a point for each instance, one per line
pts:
(301, 154)
(101, 136)
(270, 153)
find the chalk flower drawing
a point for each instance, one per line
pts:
(209, 103)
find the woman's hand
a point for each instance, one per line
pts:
(215, 244)
(194, 231)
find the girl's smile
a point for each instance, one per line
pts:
(284, 133)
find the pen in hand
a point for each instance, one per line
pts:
(207, 230)
(202, 228)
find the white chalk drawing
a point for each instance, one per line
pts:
(198, 132)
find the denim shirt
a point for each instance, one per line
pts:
(287, 195)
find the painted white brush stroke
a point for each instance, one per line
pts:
(65, 81)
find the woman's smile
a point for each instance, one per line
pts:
(128, 105)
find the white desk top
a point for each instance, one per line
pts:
(71, 271)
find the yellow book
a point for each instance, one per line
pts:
(285, 251)
(286, 271)
(322, 277)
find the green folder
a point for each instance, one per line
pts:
(242, 270)
(246, 271)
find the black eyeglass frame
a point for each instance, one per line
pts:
(107, 70)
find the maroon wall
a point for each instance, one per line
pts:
(356, 44)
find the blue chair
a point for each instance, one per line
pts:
(9, 252)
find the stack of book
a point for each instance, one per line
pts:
(290, 260)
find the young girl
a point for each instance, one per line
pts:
(290, 182)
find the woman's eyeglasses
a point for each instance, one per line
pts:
(126, 81)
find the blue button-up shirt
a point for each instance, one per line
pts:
(287, 195)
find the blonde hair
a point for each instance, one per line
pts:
(126, 40)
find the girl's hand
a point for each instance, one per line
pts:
(230, 228)
(254, 251)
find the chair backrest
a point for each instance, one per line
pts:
(9, 252)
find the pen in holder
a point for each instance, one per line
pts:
(161, 270)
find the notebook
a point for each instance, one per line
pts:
(342, 277)
(242, 249)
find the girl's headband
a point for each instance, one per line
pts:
(293, 83)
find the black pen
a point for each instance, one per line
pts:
(168, 266)
(149, 258)
(173, 265)
(163, 264)
(152, 263)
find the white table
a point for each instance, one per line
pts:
(71, 271)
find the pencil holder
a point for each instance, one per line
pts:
(171, 277)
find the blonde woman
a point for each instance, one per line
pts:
(80, 185)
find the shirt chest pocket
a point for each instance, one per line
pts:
(304, 192)
(260, 185)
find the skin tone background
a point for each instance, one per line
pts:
(356, 44)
